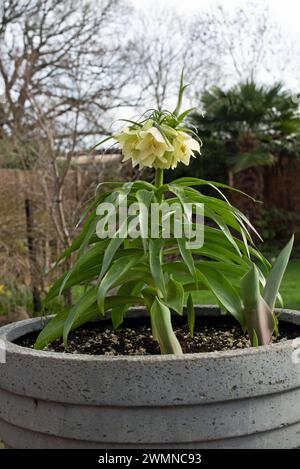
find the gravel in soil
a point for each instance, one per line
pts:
(134, 337)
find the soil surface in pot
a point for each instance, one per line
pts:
(134, 337)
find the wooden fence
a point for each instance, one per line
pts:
(25, 217)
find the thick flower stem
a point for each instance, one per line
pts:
(159, 177)
(159, 180)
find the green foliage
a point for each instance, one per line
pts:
(275, 226)
(245, 126)
(117, 273)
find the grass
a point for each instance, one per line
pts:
(290, 288)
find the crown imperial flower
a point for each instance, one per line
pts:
(159, 140)
(147, 146)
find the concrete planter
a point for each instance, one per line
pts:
(236, 399)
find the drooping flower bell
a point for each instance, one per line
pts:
(148, 146)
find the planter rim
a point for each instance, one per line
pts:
(11, 332)
(146, 381)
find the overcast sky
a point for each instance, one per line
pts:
(287, 12)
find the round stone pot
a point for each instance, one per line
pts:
(236, 399)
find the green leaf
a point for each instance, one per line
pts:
(129, 121)
(191, 315)
(91, 230)
(137, 185)
(175, 295)
(155, 261)
(223, 291)
(100, 143)
(190, 181)
(118, 268)
(219, 252)
(222, 212)
(85, 302)
(182, 88)
(276, 274)
(214, 235)
(162, 329)
(76, 244)
(86, 267)
(255, 342)
(149, 295)
(250, 289)
(222, 225)
(112, 248)
(144, 197)
(187, 258)
(243, 221)
(259, 318)
(139, 273)
(127, 289)
(184, 114)
(86, 240)
(54, 329)
(231, 271)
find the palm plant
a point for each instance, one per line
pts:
(249, 126)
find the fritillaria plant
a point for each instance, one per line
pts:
(161, 272)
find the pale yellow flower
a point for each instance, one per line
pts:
(147, 147)
(152, 147)
(128, 139)
(2, 289)
(184, 147)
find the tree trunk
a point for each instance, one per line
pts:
(33, 257)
